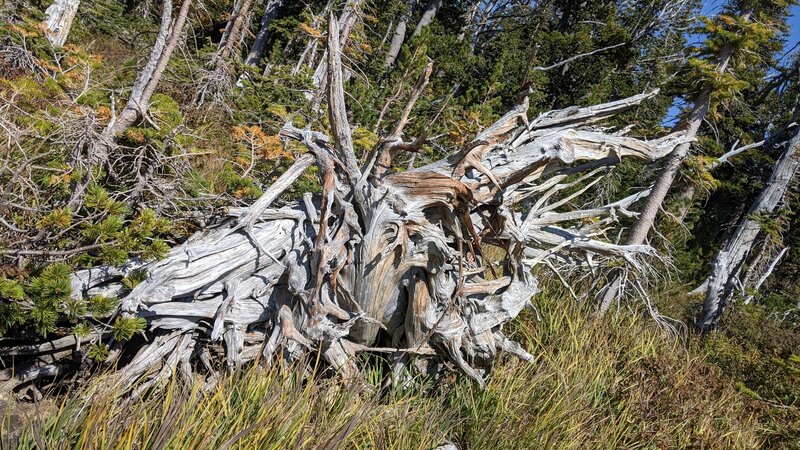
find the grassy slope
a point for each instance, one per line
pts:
(611, 384)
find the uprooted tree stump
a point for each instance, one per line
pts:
(378, 261)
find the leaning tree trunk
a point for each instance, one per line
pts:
(428, 13)
(658, 193)
(59, 17)
(148, 78)
(377, 261)
(260, 43)
(216, 81)
(233, 30)
(730, 261)
(226, 33)
(134, 108)
(398, 36)
(143, 88)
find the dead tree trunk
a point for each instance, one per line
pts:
(347, 20)
(216, 81)
(148, 78)
(226, 33)
(136, 105)
(59, 18)
(378, 261)
(469, 19)
(233, 30)
(398, 36)
(641, 228)
(256, 52)
(308, 56)
(730, 262)
(143, 88)
(388, 150)
(428, 13)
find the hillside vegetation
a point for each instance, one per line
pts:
(618, 383)
(661, 263)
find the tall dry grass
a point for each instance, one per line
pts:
(616, 383)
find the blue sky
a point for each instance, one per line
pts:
(794, 21)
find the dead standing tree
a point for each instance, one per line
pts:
(59, 17)
(309, 55)
(349, 17)
(97, 153)
(377, 261)
(271, 10)
(729, 266)
(216, 82)
(618, 283)
(399, 34)
(428, 13)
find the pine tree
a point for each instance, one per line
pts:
(731, 38)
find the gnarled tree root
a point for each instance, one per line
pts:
(380, 261)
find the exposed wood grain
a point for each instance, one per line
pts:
(390, 265)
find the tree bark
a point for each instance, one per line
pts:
(428, 13)
(59, 17)
(256, 52)
(666, 176)
(469, 19)
(149, 77)
(386, 263)
(398, 36)
(641, 228)
(730, 261)
(144, 76)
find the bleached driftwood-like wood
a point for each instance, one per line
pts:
(59, 17)
(729, 263)
(383, 261)
(271, 10)
(766, 274)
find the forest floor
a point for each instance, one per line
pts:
(618, 382)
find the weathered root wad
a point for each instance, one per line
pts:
(385, 262)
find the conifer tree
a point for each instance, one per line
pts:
(732, 36)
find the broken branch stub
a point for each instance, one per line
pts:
(392, 264)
